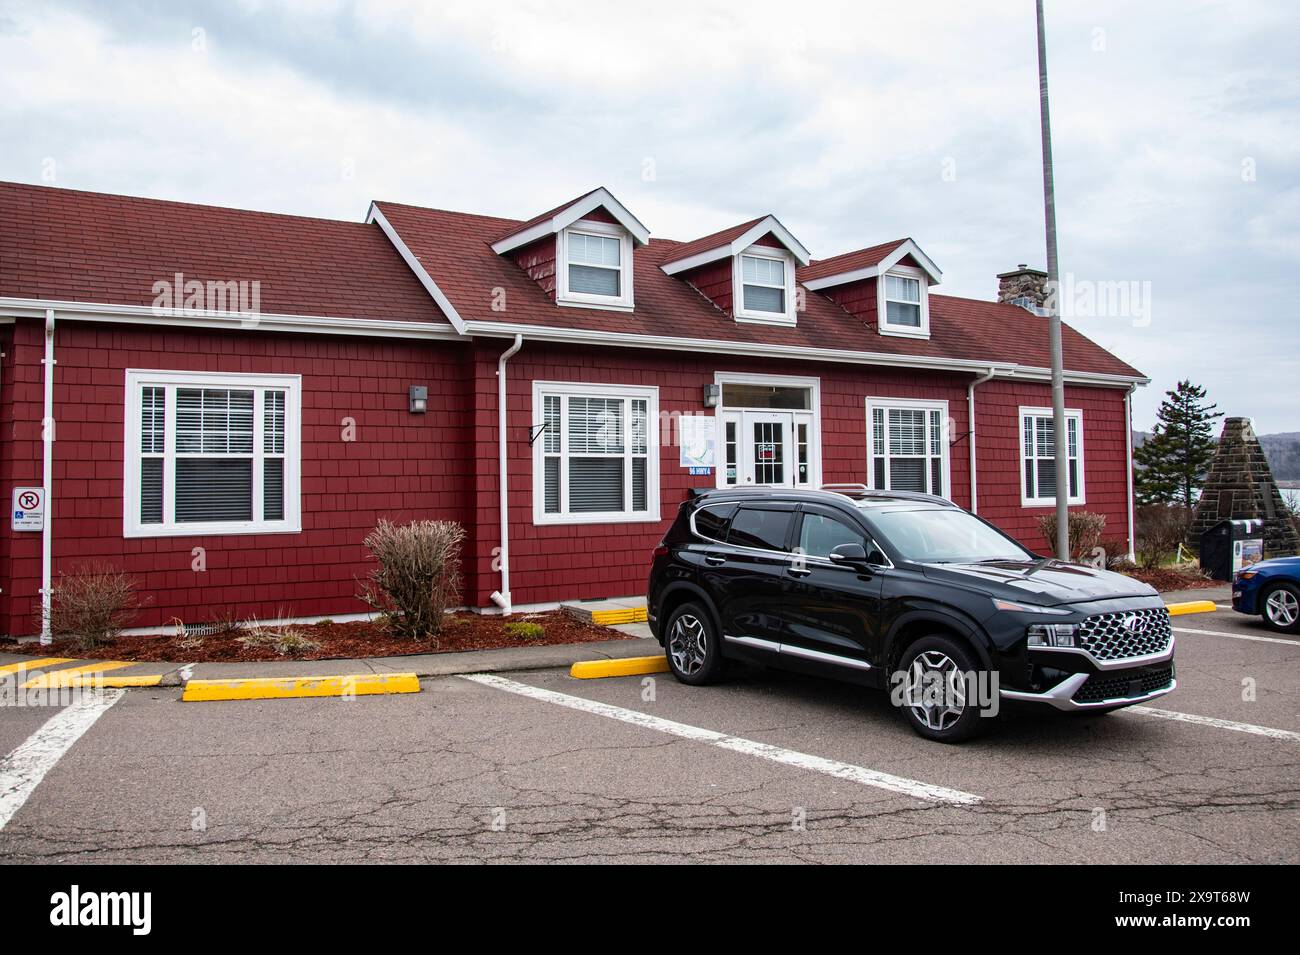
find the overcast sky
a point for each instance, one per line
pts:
(1176, 132)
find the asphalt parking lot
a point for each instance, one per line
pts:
(537, 766)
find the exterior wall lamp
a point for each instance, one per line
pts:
(712, 395)
(419, 399)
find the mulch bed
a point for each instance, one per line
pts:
(1165, 579)
(462, 631)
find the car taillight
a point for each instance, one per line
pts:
(661, 550)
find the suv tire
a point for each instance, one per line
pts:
(939, 664)
(693, 646)
(1280, 608)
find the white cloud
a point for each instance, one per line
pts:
(847, 120)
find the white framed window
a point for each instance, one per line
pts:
(1038, 456)
(903, 303)
(211, 453)
(594, 266)
(595, 453)
(907, 446)
(763, 280)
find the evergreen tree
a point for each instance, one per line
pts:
(1172, 463)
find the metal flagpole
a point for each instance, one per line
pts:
(1062, 463)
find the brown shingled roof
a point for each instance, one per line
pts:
(66, 245)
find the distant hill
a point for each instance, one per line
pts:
(1282, 451)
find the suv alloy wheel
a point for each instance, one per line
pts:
(692, 646)
(935, 699)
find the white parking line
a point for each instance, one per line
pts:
(23, 769)
(1238, 636)
(789, 757)
(1251, 728)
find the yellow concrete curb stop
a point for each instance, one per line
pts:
(1192, 606)
(283, 688)
(628, 666)
(33, 664)
(610, 618)
(87, 674)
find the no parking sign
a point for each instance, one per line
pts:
(28, 509)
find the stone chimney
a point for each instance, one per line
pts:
(1023, 286)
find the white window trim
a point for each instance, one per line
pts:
(945, 438)
(138, 379)
(1025, 499)
(814, 386)
(742, 314)
(580, 389)
(622, 302)
(882, 310)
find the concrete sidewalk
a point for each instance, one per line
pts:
(423, 664)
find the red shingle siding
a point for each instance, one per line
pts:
(537, 259)
(561, 562)
(858, 299)
(402, 466)
(997, 405)
(714, 282)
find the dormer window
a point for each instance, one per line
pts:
(764, 280)
(904, 309)
(595, 266)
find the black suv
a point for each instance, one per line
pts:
(905, 592)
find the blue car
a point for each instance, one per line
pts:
(1270, 589)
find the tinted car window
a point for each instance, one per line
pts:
(713, 522)
(820, 534)
(755, 527)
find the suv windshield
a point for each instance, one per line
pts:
(944, 535)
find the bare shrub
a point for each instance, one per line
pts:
(92, 605)
(1160, 528)
(1116, 554)
(418, 576)
(1085, 529)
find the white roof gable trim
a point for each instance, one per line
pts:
(904, 249)
(740, 244)
(571, 214)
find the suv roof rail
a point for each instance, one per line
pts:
(845, 487)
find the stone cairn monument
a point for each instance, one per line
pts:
(1240, 486)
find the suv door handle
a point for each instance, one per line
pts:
(798, 572)
(715, 559)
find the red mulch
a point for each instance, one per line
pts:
(462, 631)
(1165, 579)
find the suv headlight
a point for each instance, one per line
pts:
(1053, 634)
(1026, 608)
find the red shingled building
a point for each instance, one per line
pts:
(235, 396)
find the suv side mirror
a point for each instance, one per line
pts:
(848, 554)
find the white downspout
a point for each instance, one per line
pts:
(502, 597)
(970, 420)
(1128, 458)
(47, 479)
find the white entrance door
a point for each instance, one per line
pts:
(766, 448)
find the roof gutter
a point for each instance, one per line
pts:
(547, 333)
(970, 412)
(339, 325)
(502, 597)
